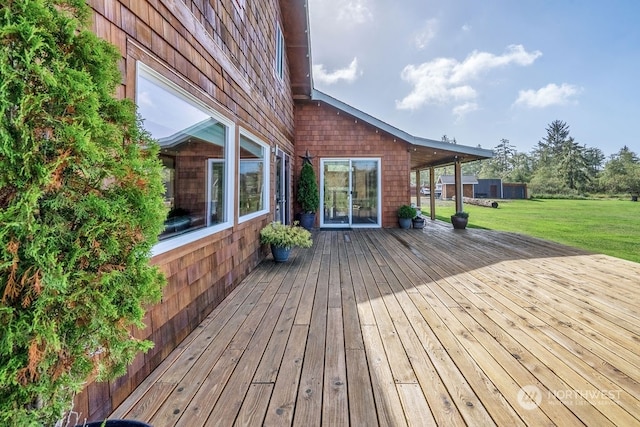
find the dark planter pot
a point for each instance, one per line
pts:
(307, 220)
(418, 223)
(459, 223)
(634, 198)
(404, 222)
(279, 253)
(115, 423)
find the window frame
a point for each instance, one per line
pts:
(148, 73)
(280, 48)
(266, 174)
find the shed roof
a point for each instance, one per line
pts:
(450, 179)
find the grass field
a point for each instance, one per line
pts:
(610, 227)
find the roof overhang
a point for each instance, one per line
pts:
(295, 26)
(425, 153)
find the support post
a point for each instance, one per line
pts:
(458, 178)
(432, 193)
(418, 188)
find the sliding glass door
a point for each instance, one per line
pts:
(350, 193)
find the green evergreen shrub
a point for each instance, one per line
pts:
(308, 189)
(80, 209)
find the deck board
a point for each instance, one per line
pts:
(408, 327)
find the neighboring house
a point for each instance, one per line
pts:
(226, 88)
(446, 185)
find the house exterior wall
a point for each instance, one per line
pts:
(330, 133)
(221, 53)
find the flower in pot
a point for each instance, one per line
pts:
(460, 220)
(308, 194)
(405, 214)
(283, 237)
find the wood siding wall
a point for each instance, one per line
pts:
(224, 56)
(330, 133)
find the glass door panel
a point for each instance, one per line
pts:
(336, 194)
(364, 184)
(350, 192)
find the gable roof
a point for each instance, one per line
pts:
(450, 179)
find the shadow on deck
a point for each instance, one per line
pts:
(412, 327)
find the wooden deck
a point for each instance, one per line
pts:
(408, 327)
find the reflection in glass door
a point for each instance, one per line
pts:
(282, 187)
(350, 193)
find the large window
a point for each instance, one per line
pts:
(194, 149)
(253, 176)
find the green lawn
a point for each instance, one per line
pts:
(610, 227)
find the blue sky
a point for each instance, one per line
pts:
(480, 71)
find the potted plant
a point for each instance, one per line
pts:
(81, 206)
(405, 214)
(282, 238)
(308, 194)
(460, 220)
(418, 220)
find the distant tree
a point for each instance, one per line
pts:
(502, 163)
(503, 156)
(572, 165)
(522, 170)
(548, 150)
(621, 173)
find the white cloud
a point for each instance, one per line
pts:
(466, 28)
(479, 62)
(463, 109)
(354, 11)
(551, 94)
(426, 34)
(349, 74)
(446, 79)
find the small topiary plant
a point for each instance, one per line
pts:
(406, 211)
(80, 208)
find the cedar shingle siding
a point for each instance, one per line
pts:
(222, 54)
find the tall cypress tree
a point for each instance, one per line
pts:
(80, 208)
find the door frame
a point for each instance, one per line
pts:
(282, 211)
(350, 223)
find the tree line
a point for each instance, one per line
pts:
(560, 166)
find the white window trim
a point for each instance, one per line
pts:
(183, 239)
(266, 178)
(280, 48)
